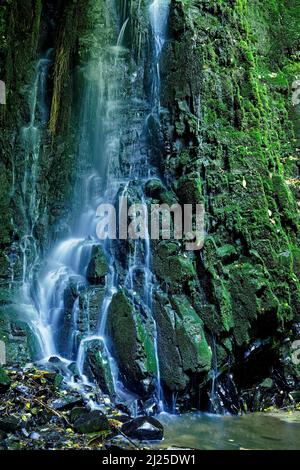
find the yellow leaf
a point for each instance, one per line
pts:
(115, 423)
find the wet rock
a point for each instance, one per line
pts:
(66, 403)
(23, 390)
(133, 345)
(76, 413)
(98, 266)
(123, 408)
(4, 381)
(189, 189)
(154, 188)
(73, 368)
(35, 436)
(54, 360)
(58, 380)
(172, 374)
(9, 424)
(174, 269)
(93, 421)
(182, 344)
(191, 341)
(97, 366)
(144, 428)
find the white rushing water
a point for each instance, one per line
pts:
(62, 288)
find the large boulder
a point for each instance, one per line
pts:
(144, 428)
(67, 402)
(189, 189)
(172, 376)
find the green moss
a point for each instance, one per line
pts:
(191, 339)
(132, 340)
(148, 344)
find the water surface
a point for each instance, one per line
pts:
(257, 431)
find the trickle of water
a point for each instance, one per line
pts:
(122, 32)
(31, 140)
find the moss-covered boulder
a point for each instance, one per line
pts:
(132, 341)
(97, 366)
(98, 266)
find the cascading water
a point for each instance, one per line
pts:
(31, 144)
(114, 149)
(31, 139)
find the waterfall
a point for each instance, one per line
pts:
(31, 140)
(113, 162)
(122, 32)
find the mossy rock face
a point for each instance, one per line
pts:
(189, 189)
(192, 344)
(98, 267)
(171, 267)
(132, 342)
(234, 147)
(97, 366)
(182, 345)
(19, 344)
(172, 375)
(154, 188)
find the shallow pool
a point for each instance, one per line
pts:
(268, 431)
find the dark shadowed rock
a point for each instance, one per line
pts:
(9, 423)
(76, 413)
(94, 421)
(4, 381)
(144, 428)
